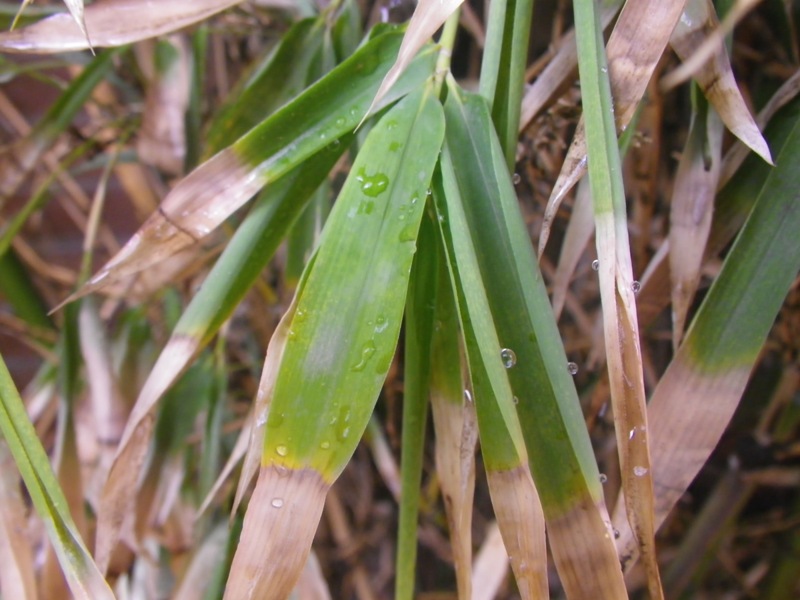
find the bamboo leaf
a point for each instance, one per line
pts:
(111, 23)
(232, 276)
(341, 341)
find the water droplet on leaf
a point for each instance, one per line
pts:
(372, 185)
(640, 471)
(595, 265)
(277, 503)
(636, 287)
(281, 450)
(366, 353)
(509, 357)
(572, 368)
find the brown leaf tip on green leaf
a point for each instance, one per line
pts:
(279, 526)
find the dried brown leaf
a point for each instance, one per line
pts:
(690, 214)
(491, 565)
(278, 529)
(111, 23)
(428, 16)
(521, 520)
(636, 44)
(715, 76)
(682, 439)
(17, 578)
(194, 208)
(579, 231)
(162, 137)
(456, 429)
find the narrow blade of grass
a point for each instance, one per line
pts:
(417, 367)
(83, 577)
(636, 44)
(621, 327)
(503, 69)
(24, 155)
(17, 577)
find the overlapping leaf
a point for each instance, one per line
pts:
(206, 197)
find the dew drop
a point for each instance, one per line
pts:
(325, 445)
(291, 335)
(281, 450)
(603, 477)
(261, 419)
(516, 178)
(595, 265)
(367, 352)
(428, 192)
(381, 323)
(636, 287)
(340, 122)
(344, 433)
(277, 503)
(372, 185)
(283, 471)
(516, 400)
(640, 471)
(408, 234)
(604, 69)
(572, 368)
(509, 357)
(334, 144)
(616, 534)
(468, 396)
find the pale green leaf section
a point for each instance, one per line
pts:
(83, 577)
(621, 328)
(111, 23)
(343, 335)
(427, 18)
